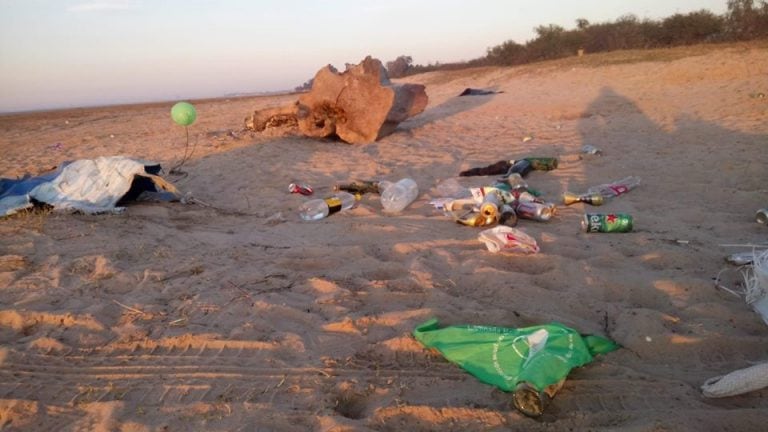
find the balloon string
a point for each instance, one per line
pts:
(187, 155)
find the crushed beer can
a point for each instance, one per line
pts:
(300, 188)
(606, 223)
(532, 402)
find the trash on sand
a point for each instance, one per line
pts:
(316, 209)
(300, 188)
(535, 210)
(755, 274)
(741, 258)
(543, 163)
(478, 92)
(538, 356)
(360, 187)
(506, 239)
(395, 197)
(737, 382)
(598, 195)
(591, 150)
(508, 167)
(606, 223)
(594, 198)
(756, 281)
(88, 185)
(761, 216)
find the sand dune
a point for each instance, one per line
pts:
(238, 316)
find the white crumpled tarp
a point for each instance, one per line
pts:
(87, 185)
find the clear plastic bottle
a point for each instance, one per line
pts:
(616, 188)
(397, 196)
(317, 209)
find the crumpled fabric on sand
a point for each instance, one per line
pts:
(87, 185)
(504, 357)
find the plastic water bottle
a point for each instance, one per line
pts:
(397, 196)
(615, 188)
(317, 209)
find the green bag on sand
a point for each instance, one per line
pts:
(504, 357)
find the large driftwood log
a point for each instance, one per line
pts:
(360, 105)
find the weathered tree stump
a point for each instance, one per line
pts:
(359, 105)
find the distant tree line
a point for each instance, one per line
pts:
(743, 20)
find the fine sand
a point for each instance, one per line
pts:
(236, 315)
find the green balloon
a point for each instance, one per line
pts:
(183, 113)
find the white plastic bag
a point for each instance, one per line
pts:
(507, 239)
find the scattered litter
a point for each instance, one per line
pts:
(755, 275)
(478, 92)
(439, 203)
(756, 280)
(741, 258)
(360, 187)
(300, 188)
(606, 223)
(761, 216)
(591, 150)
(88, 185)
(737, 382)
(532, 362)
(506, 239)
(527, 138)
(320, 208)
(275, 219)
(508, 167)
(598, 195)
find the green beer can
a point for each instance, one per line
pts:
(606, 222)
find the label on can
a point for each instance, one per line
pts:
(607, 223)
(300, 188)
(534, 210)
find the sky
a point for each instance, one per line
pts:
(73, 53)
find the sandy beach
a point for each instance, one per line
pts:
(236, 315)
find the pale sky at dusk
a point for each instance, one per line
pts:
(70, 53)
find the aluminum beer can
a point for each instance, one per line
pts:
(300, 188)
(532, 402)
(606, 222)
(761, 216)
(534, 210)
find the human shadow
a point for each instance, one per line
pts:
(701, 183)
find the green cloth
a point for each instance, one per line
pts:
(504, 357)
